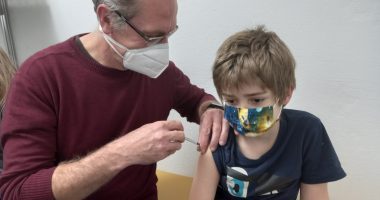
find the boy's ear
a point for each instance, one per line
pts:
(288, 96)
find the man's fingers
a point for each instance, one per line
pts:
(214, 141)
(204, 134)
(213, 131)
(173, 125)
(176, 136)
(204, 138)
(224, 133)
(173, 146)
(216, 133)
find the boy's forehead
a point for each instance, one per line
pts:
(253, 87)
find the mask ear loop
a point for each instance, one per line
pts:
(110, 40)
(279, 114)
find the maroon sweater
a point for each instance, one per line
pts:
(63, 104)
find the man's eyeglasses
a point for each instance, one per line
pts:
(149, 39)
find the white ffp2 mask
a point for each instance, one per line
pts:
(150, 61)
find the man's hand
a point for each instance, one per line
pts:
(148, 144)
(153, 142)
(213, 129)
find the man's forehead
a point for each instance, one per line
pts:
(156, 13)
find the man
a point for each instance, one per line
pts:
(86, 118)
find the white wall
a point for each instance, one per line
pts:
(3, 42)
(37, 24)
(336, 45)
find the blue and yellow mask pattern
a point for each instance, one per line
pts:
(250, 121)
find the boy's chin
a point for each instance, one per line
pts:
(250, 134)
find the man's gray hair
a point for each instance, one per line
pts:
(128, 8)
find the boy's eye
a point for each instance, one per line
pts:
(230, 101)
(256, 100)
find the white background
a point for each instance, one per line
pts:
(336, 45)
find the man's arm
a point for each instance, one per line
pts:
(152, 142)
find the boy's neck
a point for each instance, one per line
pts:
(255, 147)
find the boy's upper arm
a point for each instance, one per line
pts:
(206, 178)
(314, 191)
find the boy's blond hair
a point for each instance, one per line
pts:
(7, 69)
(255, 56)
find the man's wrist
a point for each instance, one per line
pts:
(207, 105)
(215, 105)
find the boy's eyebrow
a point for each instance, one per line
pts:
(254, 94)
(227, 95)
(249, 95)
(246, 95)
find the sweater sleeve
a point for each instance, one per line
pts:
(188, 97)
(28, 135)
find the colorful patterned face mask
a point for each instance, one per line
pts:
(250, 121)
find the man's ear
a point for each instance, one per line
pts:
(103, 13)
(288, 96)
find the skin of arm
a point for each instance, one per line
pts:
(314, 191)
(79, 178)
(206, 178)
(89, 173)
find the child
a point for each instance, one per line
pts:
(271, 152)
